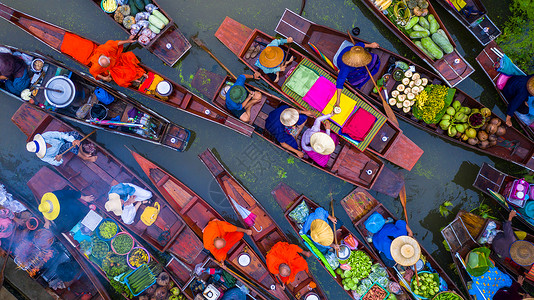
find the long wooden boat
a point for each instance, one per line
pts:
(169, 45)
(480, 25)
(158, 129)
(168, 233)
(328, 41)
(265, 232)
(487, 59)
(289, 199)
(359, 205)
(180, 98)
(55, 181)
(87, 281)
(384, 139)
(465, 233)
(453, 68)
(197, 213)
(346, 163)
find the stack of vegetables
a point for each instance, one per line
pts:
(427, 286)
(406, 92)
(432, 102)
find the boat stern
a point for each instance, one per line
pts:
(233, 35)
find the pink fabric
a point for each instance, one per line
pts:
(322, 160)
(501, 81)
(320, 93)
(359, 124)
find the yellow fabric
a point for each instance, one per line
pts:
(321, 233)
(347, 107)
(150, 214)
(152, 88)
(458, 4)
(521, 235)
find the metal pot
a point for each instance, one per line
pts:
(343, 254)
(164, 88)
(312, 296)
(66, 96)
(99, 111)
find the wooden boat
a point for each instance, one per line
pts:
(197, 213)
(168, 233)
(384, 139)
(359, 205)
(480, 25)
(328, 41)
(288, 199)
(489, 178)
(465, 233)
(169, 45)
(346, 163)
(487, 59)
(180, 98)
(453, 68)
(86, 282)
(265, 232)
(158, 129)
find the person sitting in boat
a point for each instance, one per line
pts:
(50, 145)
(124, 199)
(284, 261)
(512, 292)
(271, 58)
(220, 236)
(65, 207)
(519, 91)
(384, 237)
(237, 100)
(503, 240)
(285, 123)
(319, 144)
(351, 61)
(108, 62)
(319, 227)
(14, 73)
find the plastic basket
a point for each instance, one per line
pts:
(436, 278)
(131, 251)
(97, 230)
(109, 12)
(379, 285)
(119, 234)
(448, 292)
(126, 280)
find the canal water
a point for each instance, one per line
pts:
(444, 173)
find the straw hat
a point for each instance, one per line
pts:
(405, 250)
(114, 204)
(271, 57)
(522, 252)
(37, 146)
(321, 233)
(530, 85)
(322, 143)
(49, 206)
(357, 57)
(237, 93)
(289, 117)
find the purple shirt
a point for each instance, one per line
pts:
(11, 66)
(503, 240)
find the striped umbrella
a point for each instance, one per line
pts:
(316, 50)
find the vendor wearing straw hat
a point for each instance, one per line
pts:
(383, 239)
(64, 209)
(319, 144)
(239, 101)
(405, 250)
(121, 199)
(49, 146)
(519, 91)
(220, 236)
(284, 261)
(503, 240)
(271, 58)
(319, 227)
(284, 123)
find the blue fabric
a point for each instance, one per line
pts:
(374, 223)
(276, 128)
(231, 105)
(274, 43)
(103, 96)
(234, 294)
(17, 85)
(489, 283)
(382, 239)
(515, 91)
(123, 190)
(507, 67)
(356, 76)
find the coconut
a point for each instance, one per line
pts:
(424, 81)
(501, 130)
(482, 135)
(408, 74)
(406, 103)
(491, 128)
(399, 104)
(151, 289)
(412, 83)
(416, 76)
(407, 90)
(472, 141)
(143, 297)
(418, 81)
(163, 279)
(483, 145)
(492, 138)
(495, 121)
(395, 93)
(406, 81)
(392, 101)
(491, 144)
(410, 96)
(400, 87)
(406, 109)
(161, 293)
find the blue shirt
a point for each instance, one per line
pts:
(344, 69)
(276, 128)
(274, 43)
(382, 239)
(515, 91)
(230, 104)
(123, 190)
(321, 214)
(55, 139)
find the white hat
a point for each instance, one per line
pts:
(114, 204)
(37, 146)
(405, 250)
(322, 143)
(289, 117)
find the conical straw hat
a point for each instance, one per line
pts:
(405, 250)
(322, 143)
(357, 57)
(271, 57)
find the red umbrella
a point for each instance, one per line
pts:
(246, 215)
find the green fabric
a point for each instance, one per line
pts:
(317, 254)
(300, 213)
(478, 261)
(302, 79)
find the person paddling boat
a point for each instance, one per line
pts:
(239, 101)
(271, 59)
(49, 146)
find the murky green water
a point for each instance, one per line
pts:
(444, 173)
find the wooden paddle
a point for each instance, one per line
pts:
(80, 142)
(389, 112)
(402, 197)
(302, 5)
(134, 38)
(334, 216)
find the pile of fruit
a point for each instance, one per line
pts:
(406, 92)
(432, 102)
(428, 285)
(137, 257)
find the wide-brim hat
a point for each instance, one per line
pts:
(114, 204)
(289, 117)
(321, 232)
(237, 93)
(356, 57)
(522, 252)
(405, 250)
(49, 206)
(322, 143)
(37, 146)
(530, 85)
(271, 56)
(477, 261)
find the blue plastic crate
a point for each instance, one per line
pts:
(128, 282)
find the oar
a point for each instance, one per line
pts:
(80, 142)
(6, 259)
(287, 55)
(389, 112)
(302, 5)
(333, 216)
(135, 39)
(402, 196)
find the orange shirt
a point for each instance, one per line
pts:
(220, 229)
(285, 253)
(123, 68)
